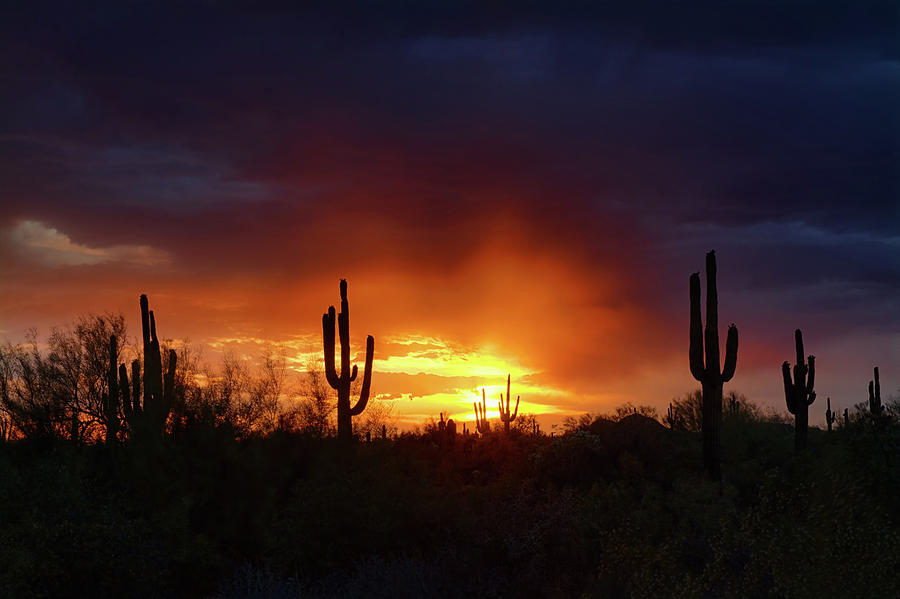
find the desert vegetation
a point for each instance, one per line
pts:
(163, 477)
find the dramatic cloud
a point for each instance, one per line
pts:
(519, 190)
(54, 248)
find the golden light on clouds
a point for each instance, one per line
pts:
(422, 375)
(55, 248)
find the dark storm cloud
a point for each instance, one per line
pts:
(591, 124)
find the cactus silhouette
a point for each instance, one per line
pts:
(447, 429)
(708, 373)
(342, 383)
(124, 392)
(846, 417)
(111, 398)
(733, 404)
(799, 393)
(505, 416)
(136, 387)
(829, 415)
(383, 432)
(671, 417)
(481, 422)
(159, 390)
(875, 407)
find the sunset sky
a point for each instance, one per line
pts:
(521, 192)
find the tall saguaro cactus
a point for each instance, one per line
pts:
(505, 416)
(830, 416)
(799, 393)
(708, 373)
(159, 391)
(875, 407)
(111, 398)
(481, 422)
(342, 383)
(672, 417)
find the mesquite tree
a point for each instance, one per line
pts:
(708, 373)
(799, 393)
(342, 383)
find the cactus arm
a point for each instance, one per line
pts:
(367, 378)
(696, 351)
(877, 387)
(517, 409)
(788, 386)
(168, 396)
(798, 345)
(508, 377)
(145, 334)
(153, 337)
(124, 393)
(344, 331)
(136, 386)
(731, 348)
(810, 381)
(353, 372)
(145, 319)
(712, 316)
(328, 342)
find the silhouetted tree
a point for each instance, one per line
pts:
(688, 411)
(379, 414)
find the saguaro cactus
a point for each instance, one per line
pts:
(342, 383)
(875, 407)
(671, 417)
(829, 415)
(481, 422)
(111, 398)
(710, 376)
(799, 394)
(159, 391)
(505, 416)
(136, 386)
(846, 417)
